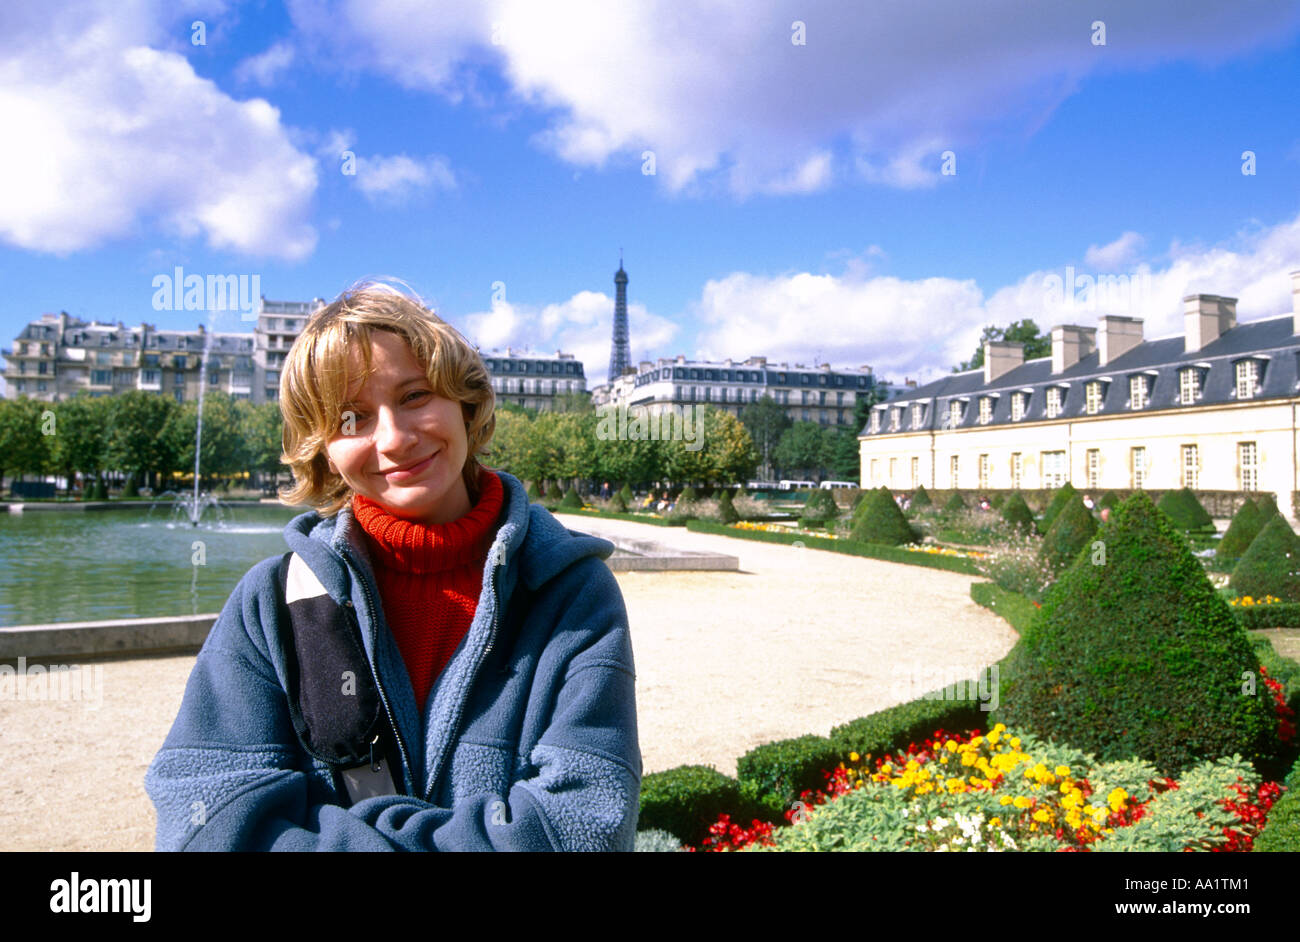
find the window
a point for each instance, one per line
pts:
(104, 359)
(1248, 462)
(1017, 406)
(1137, 392)
(986, 410)
(1094, 467)
(952, 471)
(875, 420)
(984, 471)
(1138, 463)
(918, 413)
(214, 378)
(1092, 404)
(895, 418)
(954, 413)
(916, 471)
(1017, 469)
(1189, 386)
(150, 377)
(1054, 402)
(893, 472)
(1054, 470)
(1247, 378)
(875, 464)
(1190, 466)
(101, 377)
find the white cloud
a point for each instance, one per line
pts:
(108, 132)
(583, 325)
(922, 328)
(1120, 252)
(265, 67)
(399, 178)
(723, 97)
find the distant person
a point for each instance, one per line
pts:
(984, 503)
(1087, 502)
(604, 491)
(487, 698)
(1105, 514)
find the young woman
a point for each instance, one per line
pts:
(441, 665)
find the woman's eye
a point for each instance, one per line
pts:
(417, 395)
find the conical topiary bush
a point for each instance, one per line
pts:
(571, 500)
(726, 508)
(1062, 497)
(1267, 504)
(1186, 511)
(534, 494)
(1071, 531)
(879, 520)
(687, 495)
(626, 493)
(1271, 564)
(998, 500)
(1017, 513)
(1245, 526)
(922, 498)
(617, 504)
(955, 503)
(819, 509)
(1135, 654)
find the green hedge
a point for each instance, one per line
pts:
(686, 800)
(638, 518)
(848, 547)
(786, 768)
(1278, 615)
(894, 729)
(1282, 829)
(1014, 607)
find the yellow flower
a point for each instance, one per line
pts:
(1042, 816)
(1022, 802)
(995, 822)
(951, 745)
(1005, 800)
(1015, 742)
(853, 757)
(1116, 799)
(943, 760)
(1063, 770)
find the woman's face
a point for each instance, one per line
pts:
(398, 443)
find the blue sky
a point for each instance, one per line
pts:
(798, 207)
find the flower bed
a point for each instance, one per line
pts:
(1006, 792)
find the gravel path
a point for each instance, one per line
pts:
(797, 642)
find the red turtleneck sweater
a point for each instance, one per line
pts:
(430, 577)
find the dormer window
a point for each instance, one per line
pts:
(1189, 385)
(875, 420)
(918, 415)
(1018, 401)
(895, 419)
(986, 410)
(1053, 402)
(1247, 378)
(1137, 392)
(1092, 400)
(954, 413)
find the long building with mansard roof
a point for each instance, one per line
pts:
(1214, 408)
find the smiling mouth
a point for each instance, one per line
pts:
(414, 466)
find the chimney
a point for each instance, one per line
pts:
(1205, 317)
(681, 358)
(1070, 344)
(1001, 356)
(1116, 336)
(1295, 302)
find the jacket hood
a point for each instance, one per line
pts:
(530, 544)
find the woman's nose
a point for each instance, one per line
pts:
(391, 432)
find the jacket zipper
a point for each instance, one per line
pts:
(455, 722)
(383, 696)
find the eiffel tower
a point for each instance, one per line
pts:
(620, 356)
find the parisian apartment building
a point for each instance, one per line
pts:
(58, 355)
(808, 394)
(1214, 408)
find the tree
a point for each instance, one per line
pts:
(79, 440)
(136, 441)
(23, 449)
(879, 392)
(573, 402)
(765, 421)
(1023, 331)
(723, 453)
(263, 432)
(840, 454)
(800, 450)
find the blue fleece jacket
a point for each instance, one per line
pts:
(528, 740)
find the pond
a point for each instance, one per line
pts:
(60, 566)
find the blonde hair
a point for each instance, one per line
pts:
(316, 377)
